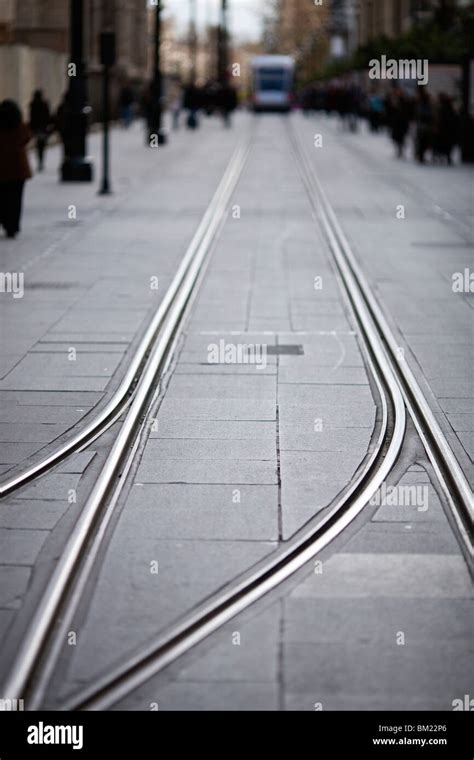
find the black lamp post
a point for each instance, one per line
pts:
(107, 57)
(76, 166)
(193, 40)
(157, 87)
(223, 43)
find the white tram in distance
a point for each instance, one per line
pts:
(272, 82)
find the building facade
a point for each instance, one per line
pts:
(299, 28)
(35, 41)
(7, 14)
(394, 17)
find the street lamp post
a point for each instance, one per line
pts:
(76, 166)
(223, 39)
(157, 122)
(107, 56)
(193, 42)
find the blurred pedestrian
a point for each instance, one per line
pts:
(126, 105)
(193, 102)
(147, 107)
(226, 102)
(210, 94)
(375, 111)
(341, 99)
(446, 128)
(40, 125)
(64, 123)
(399, 117)
(354, 103)
(14, 165)
(466, 134)
(176, 102)
(424, 118)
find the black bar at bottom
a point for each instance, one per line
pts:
(321, 734)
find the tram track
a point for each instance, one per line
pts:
(121, 398)
(38, 653)
(451, 477)
(142, 375)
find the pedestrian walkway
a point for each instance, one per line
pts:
(241, 455)
(94, 270)
(411, 229)
(266, 413)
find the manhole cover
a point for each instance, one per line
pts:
(285, 350)
(53, 285)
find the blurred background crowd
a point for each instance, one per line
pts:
(178, 61)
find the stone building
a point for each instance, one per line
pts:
(45, 24)
(7, 10)
(394, 17)
(383, 17)
(34, 45)
(299, 28)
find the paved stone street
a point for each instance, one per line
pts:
(411, 261)
(268, 411)
(90, 281)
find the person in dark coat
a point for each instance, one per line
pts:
(126, 105)
(14, 165)
(399, 117)
(226, 101)
(147, 108)
(375, 111)
(63, 122)
(193, 102)
(447, 128)
(40, 125)
(424, 118)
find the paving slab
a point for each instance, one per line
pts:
(253, 450)
(49, 398)
(311, 438)
(301, 373)
(52, 487)
(421, 253)
(244, 513)
(217, 409)
(409, 670)
(244, 472)
(220, 430)
(462, 423)
(14, 582)
(251, 387)
(6, 618)
(353, 575)
(77, 463)
(408, 536)
(376, 620)
(20, 546)
(214, 697)
(31, 514)
(239, 656)
(327, 415)
(30, 433)
(12, 453)
(39, 415)
(127, 590)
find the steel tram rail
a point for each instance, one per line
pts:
(121, 398)
(289, 558)
(177, 297)
(451, 477)
(70, 580)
